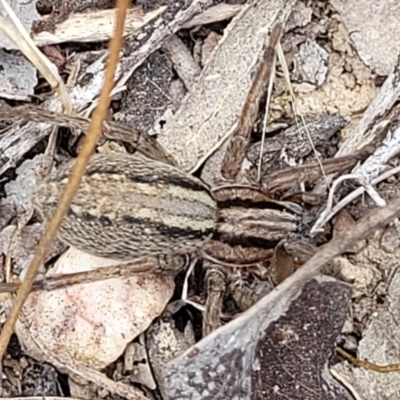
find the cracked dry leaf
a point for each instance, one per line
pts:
(90, 324)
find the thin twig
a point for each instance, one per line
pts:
(71, 188)
(236, 151)
(368, 365)
(265, 121)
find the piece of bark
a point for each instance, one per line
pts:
(95, 26)
(374, 30)
(379, 346)
(147, 99)
(217, 13)
(184, 64)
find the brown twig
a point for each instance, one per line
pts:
(71, 188)
(238, 145)
(368, 365)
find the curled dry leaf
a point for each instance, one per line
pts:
(90, 324)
